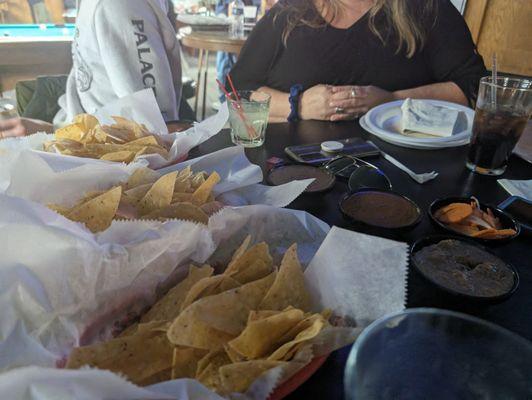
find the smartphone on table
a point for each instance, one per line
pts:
(314, 154)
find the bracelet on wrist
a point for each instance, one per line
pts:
(293, 99)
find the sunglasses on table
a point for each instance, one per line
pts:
(359, 173)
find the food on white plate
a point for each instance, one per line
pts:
(429, 120)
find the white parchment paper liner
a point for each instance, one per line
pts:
(140, 107)
(360, 275)
(30, 177)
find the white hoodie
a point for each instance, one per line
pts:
(121, 47)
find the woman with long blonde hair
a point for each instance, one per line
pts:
(335, 59)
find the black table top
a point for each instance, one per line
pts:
(454, 179)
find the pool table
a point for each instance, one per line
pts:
(27, 51)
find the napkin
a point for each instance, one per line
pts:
(360, 276)
(520, 188)
(420, 116)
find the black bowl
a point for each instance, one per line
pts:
(506, 220)
(362, 223)
(453, 294)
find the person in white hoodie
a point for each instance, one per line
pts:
(119, 47)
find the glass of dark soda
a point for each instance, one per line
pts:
(501, 115)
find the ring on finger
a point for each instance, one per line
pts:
(339, 110)
(353, 92)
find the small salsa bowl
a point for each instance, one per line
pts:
(506, 220)
(435, 239)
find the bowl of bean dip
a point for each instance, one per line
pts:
(463, 268)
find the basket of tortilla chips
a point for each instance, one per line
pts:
(147, 195)
(122, 141)
(224, 330)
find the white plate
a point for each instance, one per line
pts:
(413, 145)
(385, 121)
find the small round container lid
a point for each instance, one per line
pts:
(323, 180)
(332, 146)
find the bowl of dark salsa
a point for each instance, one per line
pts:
(381, 209)
(464, 269)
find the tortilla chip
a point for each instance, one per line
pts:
(59, 209)
(233, 355)
(242, 249)
(63, 144)
(142, 176)
(145, 141)
(263, 336)
(182, 198)
(289, 288)
(72, 132)
(102, 149)
(185, 173)
(239, 376)
(202, 193)
(183, 186)
(247, 267)
(119, 156)
(159, 195)
(152, 149)
(156, 377)
(169, 306)
(261, 314)
(97, 135)
(212, 208)
(116, 134)
(306, 330)
(142, 328)
(257, 270)
(138, 130)
(92, 194)
(208, 287)
(87, 121)
(207, 369)
(98, 213)
(212, 321)
(197, 180)
(138, 357)
(138, 192)
(185, 361)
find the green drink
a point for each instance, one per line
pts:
(248, 116)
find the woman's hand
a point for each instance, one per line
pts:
(350, 102)
(314, 103)
(22, 127)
